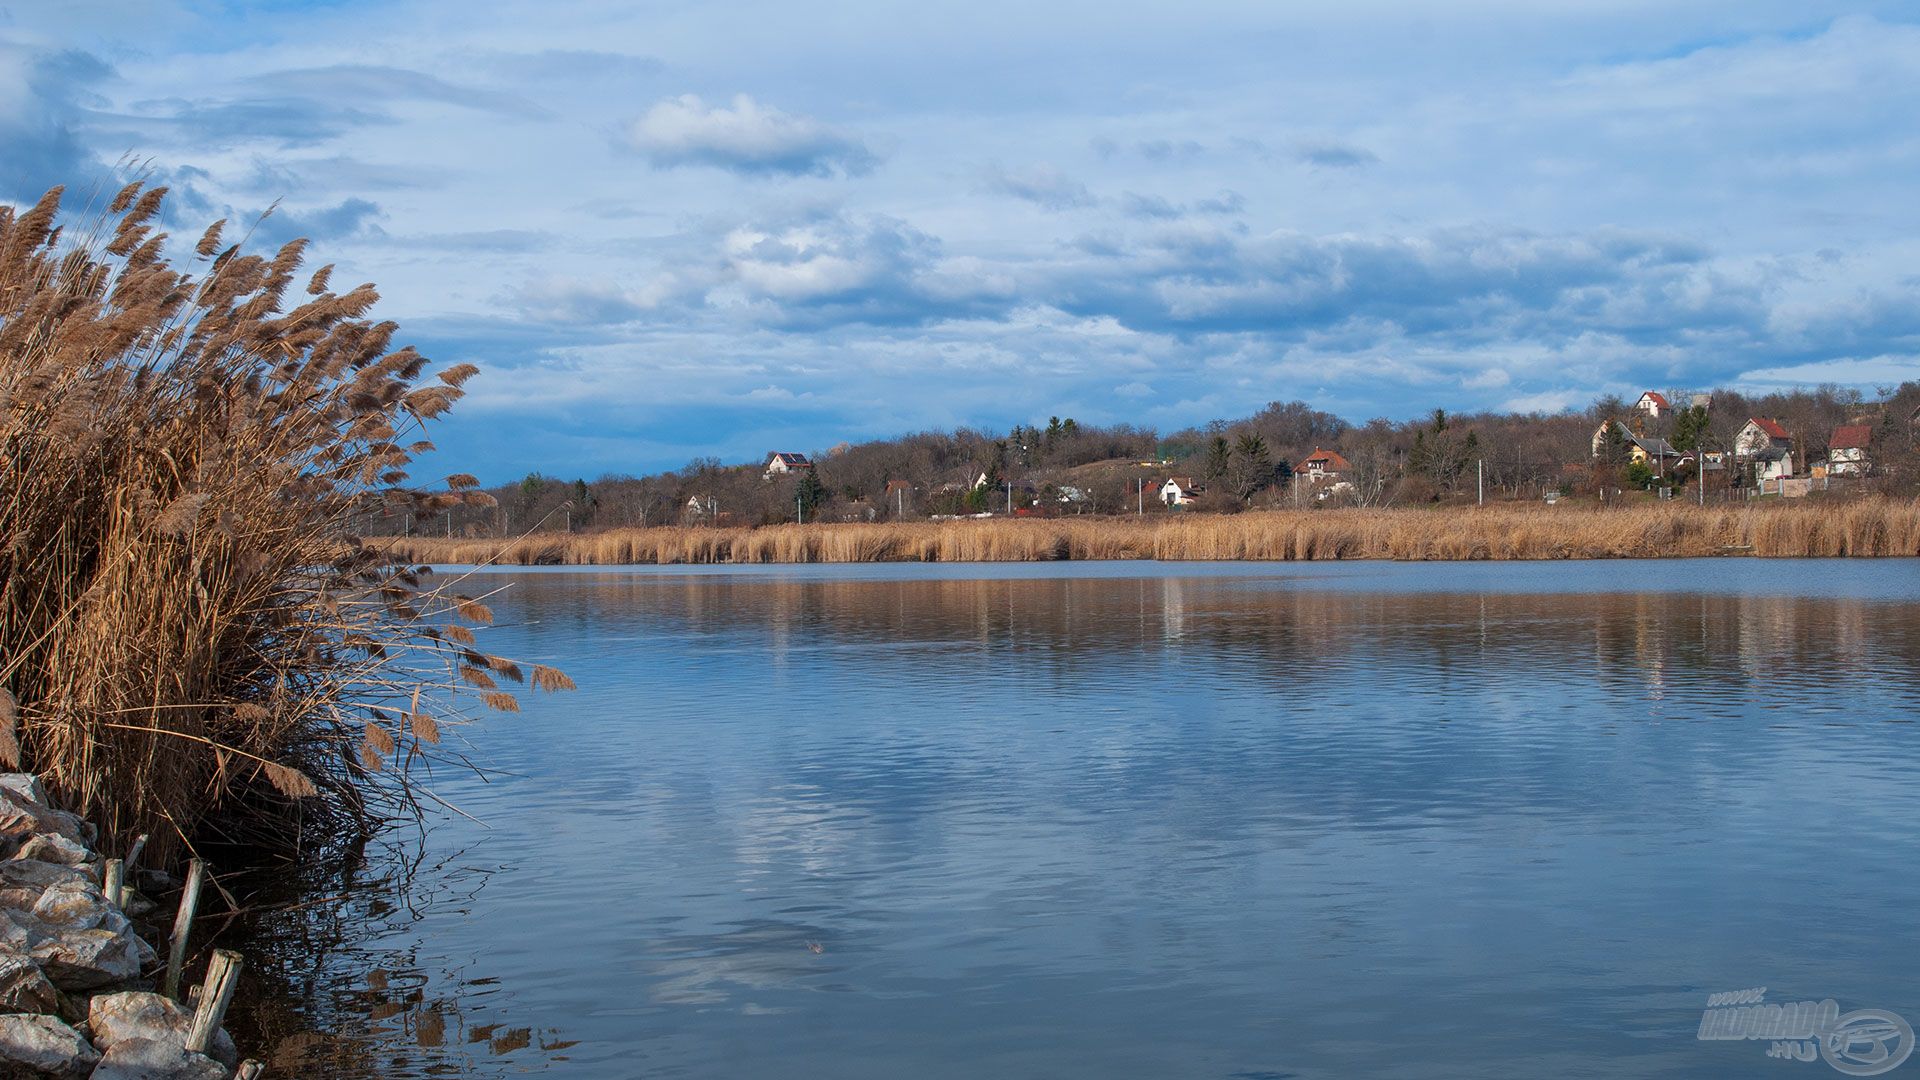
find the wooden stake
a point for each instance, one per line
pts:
(215, 994)
(113, 882)
(182, 925)
(133, 855)
(249, 1070)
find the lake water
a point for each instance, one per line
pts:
(1156, 820)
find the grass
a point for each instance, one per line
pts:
(1865, 527)
(187, 630)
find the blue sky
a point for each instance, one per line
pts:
(682, 229)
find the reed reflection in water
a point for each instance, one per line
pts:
(1152, 821)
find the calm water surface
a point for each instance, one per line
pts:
(1160, 820)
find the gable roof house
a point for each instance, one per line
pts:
(780, 463)
(1761, 434)
(1653, 403)
(1179, 490)
(1641, 449)
(1323, 464)
(1847, 450)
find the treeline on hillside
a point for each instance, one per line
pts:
(1067, 467)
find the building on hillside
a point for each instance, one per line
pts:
(1847, 450)
(1760, 434)
(1656, 454)
(1323, 465)
(899, 495)
(1179, 490)
(700, 508)
(1653, 403)
(780, 464)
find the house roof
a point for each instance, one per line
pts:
(1185, 483)
(1851, 437)
(1771, 427)
(1334, 461)
(1656, 397)
(790, 460)
(1661, 447)
(898, 485)
(1772, 453)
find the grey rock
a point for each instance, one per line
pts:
(91, 959)
(25, 785)
(24, 987)
(76, 905)
(136, 1014)
(146, 1059)
(41, 1046)
(55, 848)
(37, 875)
(49, 820)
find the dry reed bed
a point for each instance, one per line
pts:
(1876, 527)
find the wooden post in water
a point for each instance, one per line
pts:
(182, 924)
(215, 995)
(113, 882)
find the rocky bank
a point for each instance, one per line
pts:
(76, 999)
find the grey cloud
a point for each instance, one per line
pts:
(1042, 185)
(383, 84)
(40, 129)
(348, 219)
(747, 138)
(576, 64)
(1154, 207)
(1331, 154)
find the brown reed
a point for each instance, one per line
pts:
(187, 628)
(1856, 527)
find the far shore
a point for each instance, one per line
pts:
(1862, 527)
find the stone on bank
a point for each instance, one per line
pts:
(73, 1003)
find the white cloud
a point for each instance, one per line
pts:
(745, 138)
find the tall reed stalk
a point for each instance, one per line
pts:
(187, 626)
(1861, 527)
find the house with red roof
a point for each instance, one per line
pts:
(1768, 446)
(1653, 403)
(1847, 450)
(1323, 465)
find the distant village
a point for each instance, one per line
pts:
(1713, 446)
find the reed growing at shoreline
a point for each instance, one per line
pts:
(186, 626)
(1862, 527)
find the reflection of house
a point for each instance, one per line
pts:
(1847, 450)
(779, 464)
(1653, 404)
(1323, 465)
(1179, 490)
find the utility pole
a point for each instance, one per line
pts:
(1009, 498)
(449, 524)
(1480, 482)
(799, 517)
(1140, 498)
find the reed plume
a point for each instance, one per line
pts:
(188, 626)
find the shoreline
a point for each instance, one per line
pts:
(1856, 528)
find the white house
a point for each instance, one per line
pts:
(1179, 490)
(1773, 463)
(1653, 403)
(1847, 450)
(1761, 434)
(779, 464)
